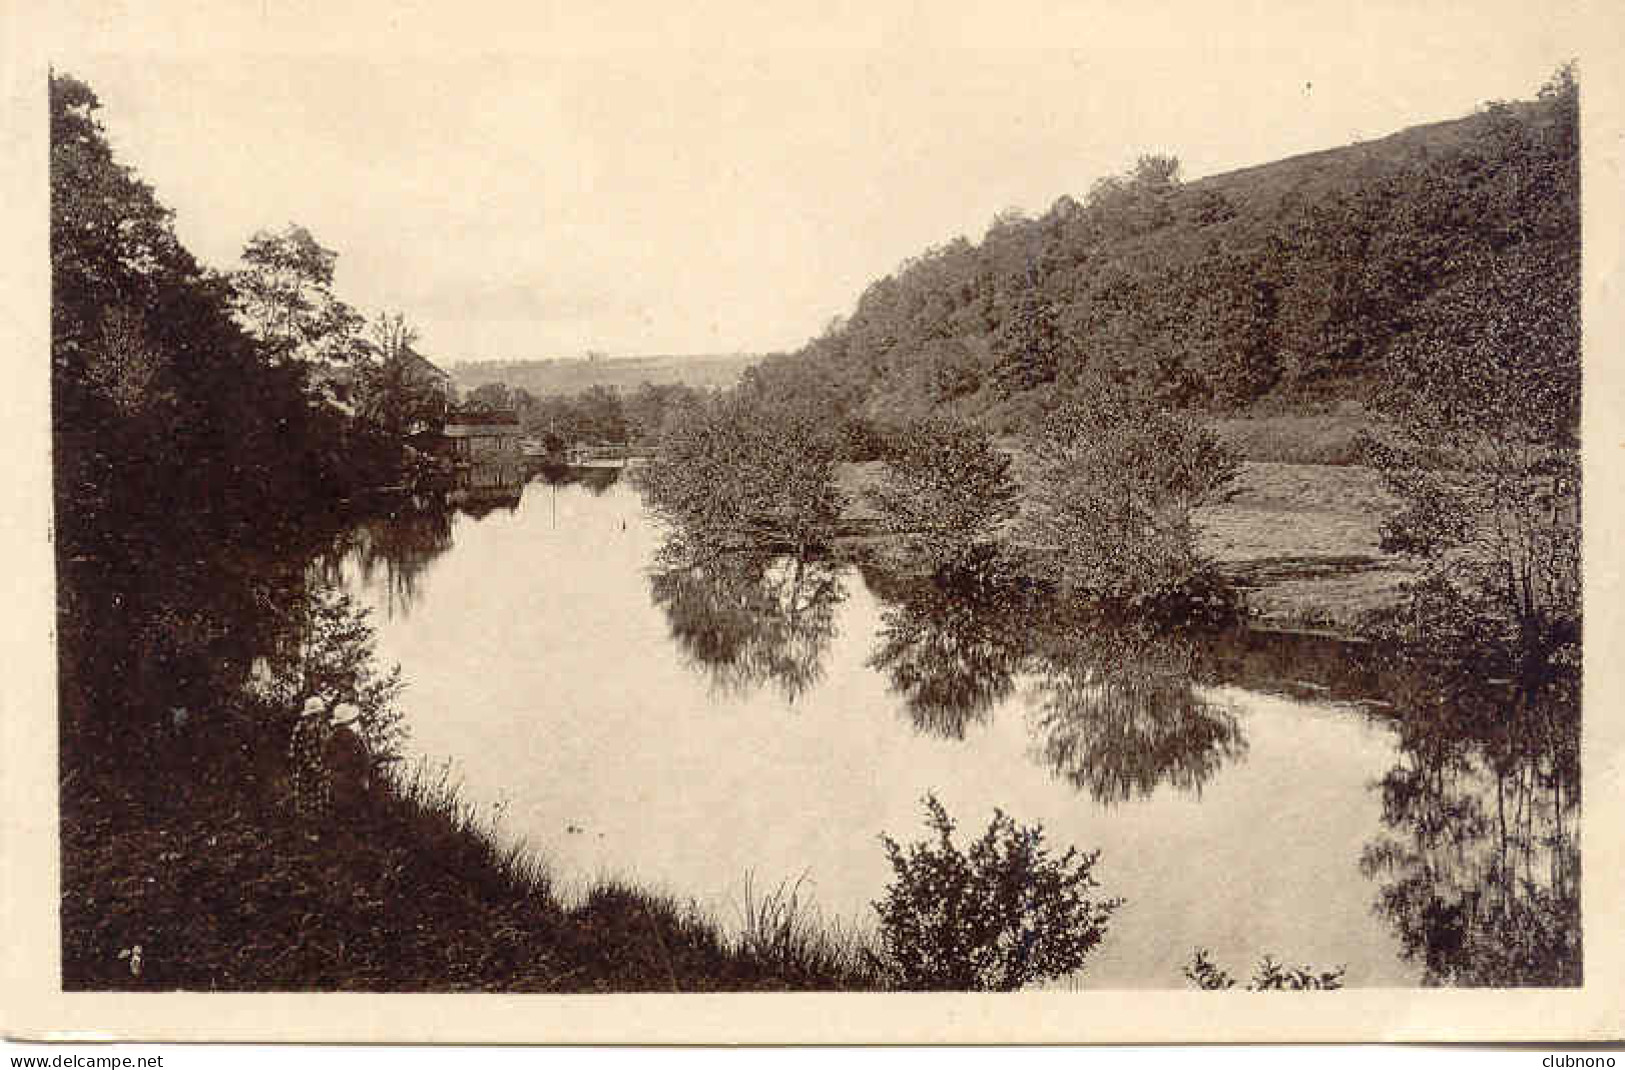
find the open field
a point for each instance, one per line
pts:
(1312, 439)
(1304, 539)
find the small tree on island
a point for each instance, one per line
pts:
(744, 471)
(994, 918)
(947, 492)
(1108, 515)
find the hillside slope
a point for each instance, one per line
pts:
(1293, 286)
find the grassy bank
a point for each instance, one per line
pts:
(1302, 540)
(1317, 439)
(199, 860)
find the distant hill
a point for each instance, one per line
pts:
(545, 377)
(1301, 285)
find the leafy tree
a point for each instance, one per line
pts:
(947, 491)
(285, 296)
(1109, 508)
(393, 392)
(1140, 201)
(647, 409)
(995, 917)
(1483, 453)
(393, 334)
(490, 396)
(601, 414)
(1030, 345)
(744, 469)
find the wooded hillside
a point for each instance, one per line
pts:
(1290, 286)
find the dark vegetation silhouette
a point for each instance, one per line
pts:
(229, 803)
(995, 916)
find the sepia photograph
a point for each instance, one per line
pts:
(1083, 502)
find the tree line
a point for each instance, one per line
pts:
(597, 414)
(1441, 286)
(1290, 284)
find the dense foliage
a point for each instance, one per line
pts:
(748, 468)
(1481, 446)
(1286, 284)
(195, 452)
(946, 493)
(1108, 513)
(995, 917)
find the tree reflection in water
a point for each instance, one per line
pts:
(1115, 711)
(1113, 704)
(1479, 866)
(593, 478)
(401, 546)
(951, 654)
(749, 618)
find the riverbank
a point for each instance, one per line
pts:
(1301, 540)
(192, 873)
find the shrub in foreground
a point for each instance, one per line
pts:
(995, 917)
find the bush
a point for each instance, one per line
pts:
(1269, 976)
(1109, 509)
(947, 492)
(996, 917)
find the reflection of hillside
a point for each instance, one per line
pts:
(1115, 712)
(1479, 866)
(750, 619)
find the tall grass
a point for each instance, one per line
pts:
(616, 929)
(790, 935)
(435, 800)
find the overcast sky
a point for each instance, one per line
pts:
(533, 181)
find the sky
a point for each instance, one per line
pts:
(535, 181)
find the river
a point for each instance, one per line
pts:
(628, 721)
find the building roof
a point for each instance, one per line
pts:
(423, 365)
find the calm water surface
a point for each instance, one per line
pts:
(629, 732)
